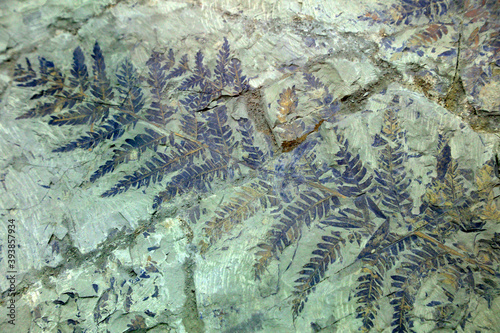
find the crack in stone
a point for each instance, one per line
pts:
(73, 258)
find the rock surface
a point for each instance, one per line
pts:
(250, 166)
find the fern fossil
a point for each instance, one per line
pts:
(92, 103)
(345, 199)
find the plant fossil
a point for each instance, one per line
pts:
(187, 143)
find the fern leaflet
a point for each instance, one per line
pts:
(327, 253)
(243, 206)
(311, 205)
(391, 177)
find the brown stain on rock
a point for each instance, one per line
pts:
(292, 144)
(456, 102)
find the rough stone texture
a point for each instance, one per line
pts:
(347, 178)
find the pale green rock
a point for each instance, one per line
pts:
(85, 263)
